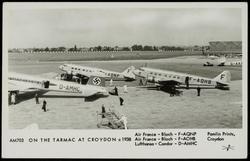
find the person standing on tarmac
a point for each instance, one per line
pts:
(111, 82)
(44, 106)
(116, 91)
(37, 98)
(103, 111)
(121, 101)
(198, 91)
(13, 98)
(187, 82)
(125, 89)
(140, 83)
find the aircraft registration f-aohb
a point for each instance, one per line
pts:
(83, 71)
(22, 83)
(175, 79)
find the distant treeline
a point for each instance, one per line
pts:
(106, 48)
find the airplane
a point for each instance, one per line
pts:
(169, 79)
(212, 57)
(18, 82)
(83, 72)
(223, 61)
(230, 63)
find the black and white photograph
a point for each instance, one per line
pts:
(124, 66)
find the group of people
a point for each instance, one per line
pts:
(13, 100)
(115, 93)
(122, 119)
(44, 106)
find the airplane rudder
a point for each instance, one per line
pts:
(224, 77)
(129, 69)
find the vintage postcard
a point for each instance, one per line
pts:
(124, 80)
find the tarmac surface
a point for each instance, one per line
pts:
(144, 108)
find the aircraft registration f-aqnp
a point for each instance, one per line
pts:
(83, 71)
(175, 79)
(22, 83)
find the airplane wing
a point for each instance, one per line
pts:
(162, 81)
(169, 82)
(14, 87)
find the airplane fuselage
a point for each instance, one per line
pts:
(89, 71)
(31, 82)
(157, 75)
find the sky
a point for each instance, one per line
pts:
(85, 27)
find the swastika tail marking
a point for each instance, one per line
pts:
(96, 80)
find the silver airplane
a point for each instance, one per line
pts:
(84, 71)
(164, 78)
(23, 83)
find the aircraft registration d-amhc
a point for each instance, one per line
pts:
(166, 78)
(83, 71)
(23, 83)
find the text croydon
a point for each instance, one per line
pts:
(102, 139)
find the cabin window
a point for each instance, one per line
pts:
(159, 74)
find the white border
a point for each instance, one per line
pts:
(117, 150)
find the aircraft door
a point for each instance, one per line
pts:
(45, 84)
(187, 82)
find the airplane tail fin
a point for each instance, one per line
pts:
(129, 72)
(223, 78)
(96, 81)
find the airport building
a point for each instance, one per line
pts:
(225, 47)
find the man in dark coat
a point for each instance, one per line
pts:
(44, 106)
(198, 91)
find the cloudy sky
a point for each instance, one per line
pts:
(121, 26)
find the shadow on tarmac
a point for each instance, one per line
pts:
(87, 99)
